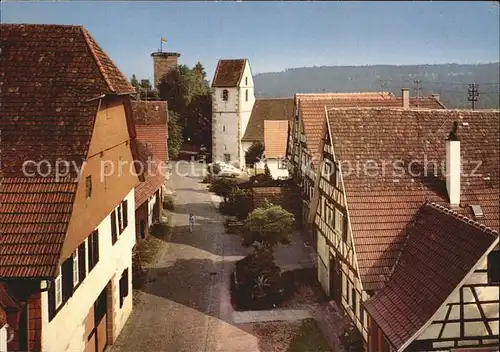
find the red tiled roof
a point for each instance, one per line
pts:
(267, 109)
(51, 79)
(397, 137)
(229, 72)
(312, 109)
(34, 216)
(276, 138)
(150, 112)
(154, 176)
(436, 238)
(155, 137)
(425, 103)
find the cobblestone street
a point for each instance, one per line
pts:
(186, 305)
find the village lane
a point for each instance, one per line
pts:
(186, 304)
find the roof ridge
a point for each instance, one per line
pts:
(86, 36)
(462, 218)
(413, 109)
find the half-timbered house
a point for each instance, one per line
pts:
(305, 133)
(407, 243)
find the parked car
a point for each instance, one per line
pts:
(229, 171)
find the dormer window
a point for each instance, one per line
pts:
(225, 95)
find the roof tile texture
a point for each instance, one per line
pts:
(275, 138)
(437, 238)
(267, 109)
(228, 73)
(400, 138)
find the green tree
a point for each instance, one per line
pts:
(135, 82)
(223, 186)
(239, 203)
(267, 173)
(146, 84)
(174, 135)
(254, 153)
(188, 94)
(267, 226)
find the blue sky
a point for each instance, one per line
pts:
(278, 35)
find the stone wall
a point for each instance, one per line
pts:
(162, 64)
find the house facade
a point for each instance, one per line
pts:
(409, 250)
(67, 213)
(151, 121)
(232, 102)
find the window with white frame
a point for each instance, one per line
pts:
(58, 289)
(76, 277)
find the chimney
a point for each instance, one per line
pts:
(453, 166)
(405, 93)
(163, 62)
(435, 96)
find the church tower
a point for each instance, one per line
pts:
(232, 102)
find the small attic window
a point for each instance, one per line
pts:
(246, 81)
(88, 186)
(477, 211)
(225, 95)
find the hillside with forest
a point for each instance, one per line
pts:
(450, 81)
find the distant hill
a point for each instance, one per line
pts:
(449, 80)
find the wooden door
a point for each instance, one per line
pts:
(100, 307)
(90, 343)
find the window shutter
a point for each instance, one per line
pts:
(125, 213)
(52, 299)
(95, 243)
(120, 227)
(114, 234)
(82, 271)
(67, 279)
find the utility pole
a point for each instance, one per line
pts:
(383, 85)
(473, 94)
(418, 88)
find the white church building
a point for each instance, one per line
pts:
(232, 102)
(238, 119)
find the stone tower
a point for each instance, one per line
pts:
(163, 63)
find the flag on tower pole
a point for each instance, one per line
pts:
(163, 40)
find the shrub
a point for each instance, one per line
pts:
(214, 168)
(259, 178)
(239, 203)
(207, 179)
(222, 186)
(258, 283)
(168, 203)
